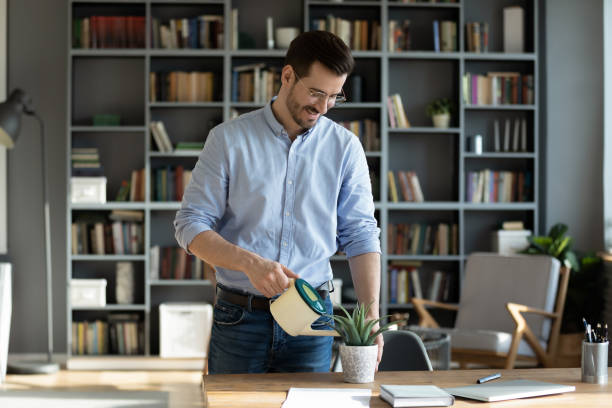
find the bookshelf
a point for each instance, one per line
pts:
(440, 157)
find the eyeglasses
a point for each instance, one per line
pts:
(321, 96)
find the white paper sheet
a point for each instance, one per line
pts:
(327, 398)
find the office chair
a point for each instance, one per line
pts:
(404, 351)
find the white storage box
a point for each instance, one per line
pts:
(91, 190)
(508, 242)
(184, 329)
(336, 295)
(88, 292)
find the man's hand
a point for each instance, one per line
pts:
(380, 343)
(270, 278)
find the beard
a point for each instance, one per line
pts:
(297, 112)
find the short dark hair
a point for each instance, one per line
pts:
(321, 46)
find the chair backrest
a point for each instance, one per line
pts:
(403, 351)
(492, 280)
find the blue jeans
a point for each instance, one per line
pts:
(244, 341)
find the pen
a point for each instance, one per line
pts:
(589, 333)
(488, 378)
(606, 332)
(599, 332)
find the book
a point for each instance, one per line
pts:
(415, 396)
(507, 135)
(436, 34)
(416, 283)
(523, 135)
(392, 187)
(515, 139)
(513, 225)
(514, 29)
(507, 390)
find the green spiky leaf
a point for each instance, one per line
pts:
(355, 328)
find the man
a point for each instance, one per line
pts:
(273, 195)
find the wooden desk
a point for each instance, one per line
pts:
(270, 390)
(183, 387)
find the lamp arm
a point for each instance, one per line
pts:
(47, 220)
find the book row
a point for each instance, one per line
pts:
(108, 32)
(255, 83)
(405, 283)
(121, 334)
(367, 131)
(175, 263)
(101, 238)
(85, 161)
(205, 31)
(477, 37)
(498, 88)
(359, 35)
(181, 86)
(397, 114)
(422, 239)
(488, 186)
(169, 183)
(161, 139)
(407, 183)
(444, 35)
(513, 138)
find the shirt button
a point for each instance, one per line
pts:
(290, 181)
(284, 243)
(286, 213)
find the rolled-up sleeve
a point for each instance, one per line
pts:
(357, 230)
(205, 197)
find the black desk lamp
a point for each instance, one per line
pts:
(11, 110)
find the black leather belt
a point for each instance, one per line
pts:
(256, 302)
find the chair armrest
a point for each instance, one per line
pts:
(434, 303)
(527, 309)
(425, 318)
(523, 330)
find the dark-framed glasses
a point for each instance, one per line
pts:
(320, 96)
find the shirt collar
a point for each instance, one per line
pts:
(277, 127)
(274, 124)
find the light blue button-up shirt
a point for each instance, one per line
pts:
(295, 203)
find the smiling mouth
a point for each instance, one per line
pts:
(312, 113)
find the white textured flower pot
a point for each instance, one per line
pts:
(358, 363)
(441, 121)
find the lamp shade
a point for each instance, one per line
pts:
(10, 116)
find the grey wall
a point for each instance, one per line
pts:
(574, 121)
(37, 49)
(572, 190)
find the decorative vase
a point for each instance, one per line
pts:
(358, 363)
(441, 120)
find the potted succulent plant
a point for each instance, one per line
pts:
(359, 352)
(439, 111)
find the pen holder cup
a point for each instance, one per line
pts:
(595, 362)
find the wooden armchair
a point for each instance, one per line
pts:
(510, 308)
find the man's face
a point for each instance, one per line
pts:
(311, 96)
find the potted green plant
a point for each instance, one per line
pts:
(439, 110)
(555, 244)
(358, 352)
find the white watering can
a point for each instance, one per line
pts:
(298, 308)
